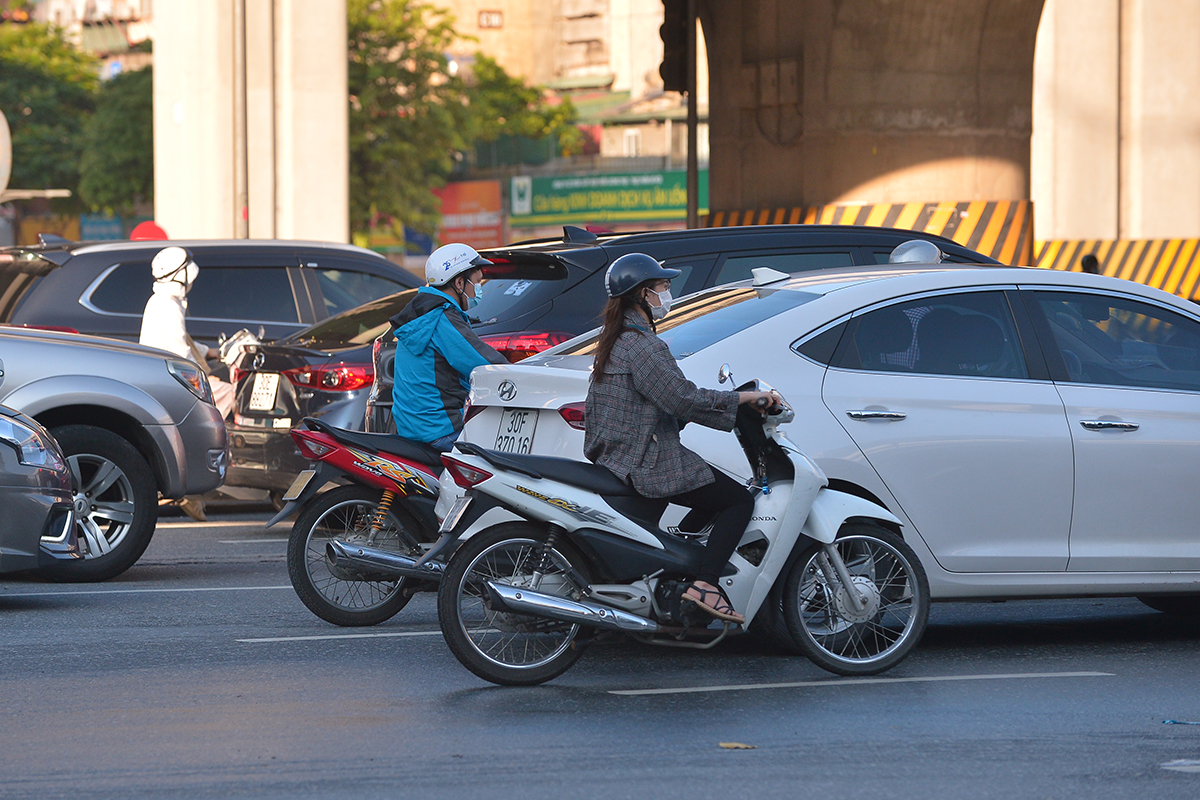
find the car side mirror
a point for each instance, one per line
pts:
(725, 374)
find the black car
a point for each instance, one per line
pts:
(101, 288)
(538, 294)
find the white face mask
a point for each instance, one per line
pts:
(663, 307)
(478, 297)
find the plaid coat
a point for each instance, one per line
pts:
(635, 410)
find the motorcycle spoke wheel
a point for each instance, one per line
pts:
(506, 648)
(334, 594)
(824, 622)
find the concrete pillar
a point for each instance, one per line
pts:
(815, 101)
(297, 135)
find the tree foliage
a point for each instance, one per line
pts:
(411, 117)
(47, 91)
(117, 167)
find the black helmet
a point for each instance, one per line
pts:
(631, 269)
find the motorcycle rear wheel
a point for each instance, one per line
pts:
(827, 629)
(345, 513)
(500, 647)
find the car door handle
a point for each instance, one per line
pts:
(1108, 425)
(865, 414)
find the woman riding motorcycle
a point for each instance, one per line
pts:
(436, 348)
(637, 401)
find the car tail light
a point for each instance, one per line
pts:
(516, 346)
(465, 476)
(333, 378)
(572, 414)
(309, 446)
(471, 411)
(236, 375)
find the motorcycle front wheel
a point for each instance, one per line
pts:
(824, 623)
(501, 647)
(333, 594)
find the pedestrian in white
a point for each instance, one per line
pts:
(163, 327)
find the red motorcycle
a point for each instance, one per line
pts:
(359, 551)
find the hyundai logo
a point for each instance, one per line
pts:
(507, 390)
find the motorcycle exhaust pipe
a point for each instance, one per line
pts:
(375, 562)
(524, 601)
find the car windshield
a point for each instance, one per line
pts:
(705, 318)
(360, 325)
(510, 289)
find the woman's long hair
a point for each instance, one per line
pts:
(614, 325)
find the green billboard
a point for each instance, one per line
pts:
(602, 197)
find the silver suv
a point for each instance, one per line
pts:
(133, 422)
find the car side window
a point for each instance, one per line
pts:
(125, 289)
(253, 294)
(881, 256)
(736, 268)
(346, 289)
(969, 334)
(1115, 341)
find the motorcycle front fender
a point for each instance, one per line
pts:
(831, 509)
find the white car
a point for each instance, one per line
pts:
(1037, 432)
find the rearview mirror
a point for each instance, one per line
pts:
(724, 374)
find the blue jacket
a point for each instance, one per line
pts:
(435, 353)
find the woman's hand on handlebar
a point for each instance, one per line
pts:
(759, 401)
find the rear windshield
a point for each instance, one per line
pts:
(705, 318)
(512, 289)
(19, 272)
(360, 325)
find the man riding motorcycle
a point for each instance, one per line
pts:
(436, 348)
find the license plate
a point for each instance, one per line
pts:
(299, 484)
(456, 512)
(516, 430)
(262, 396)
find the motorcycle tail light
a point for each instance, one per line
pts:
(516, 346)
(572, 414)
(332, 378)
(464, 475)
(309, 447)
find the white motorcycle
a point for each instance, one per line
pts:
(519, 600)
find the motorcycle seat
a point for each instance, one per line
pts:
(389, 443)
(583, 474)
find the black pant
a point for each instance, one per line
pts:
(734, 505)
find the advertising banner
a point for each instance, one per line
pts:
(471, 214)
(604, 197)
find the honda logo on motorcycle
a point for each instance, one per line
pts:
(507, 390)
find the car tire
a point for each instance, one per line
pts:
(113, 481)
(1179, 605)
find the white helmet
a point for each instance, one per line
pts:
(916, 251)
(451, 260)
(168, 264)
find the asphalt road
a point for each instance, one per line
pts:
(199, 674)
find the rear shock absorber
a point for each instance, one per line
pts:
(535, 579)
(381, 512)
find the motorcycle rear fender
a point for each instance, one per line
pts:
(831, 509)
(323, 474)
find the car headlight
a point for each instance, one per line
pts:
(193, 378)
(34, 448)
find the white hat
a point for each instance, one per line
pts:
(451, 260)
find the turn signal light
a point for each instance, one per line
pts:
(516, 346)
(464, 475)
(332, 378)
(572, 414)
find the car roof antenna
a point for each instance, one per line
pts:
(573, 234)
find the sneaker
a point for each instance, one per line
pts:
(193, 508)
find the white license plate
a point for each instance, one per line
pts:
(516, 430)
(262, 396)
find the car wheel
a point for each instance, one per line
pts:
(116, 503)
(1182, 605)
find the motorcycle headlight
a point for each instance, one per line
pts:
(34, 448)
(193, 378)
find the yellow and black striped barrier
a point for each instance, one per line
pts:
(1172, 265)
(1002, 229)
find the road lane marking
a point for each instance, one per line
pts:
(6, 595)
(341, 636)
(249, 523)
(853, 681)
(1183, 765)
(248, 541)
